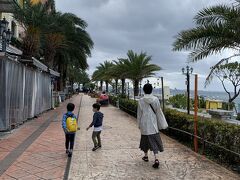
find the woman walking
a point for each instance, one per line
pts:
(150, 120)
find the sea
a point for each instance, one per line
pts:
(207, 94)
(213, 95)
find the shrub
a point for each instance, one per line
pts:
(129, 106)
(225, 105)
(215, 131)
(122, 96)
(178, 101)
(94, 95)
(113, 100)
(238, 116)
(57, 104)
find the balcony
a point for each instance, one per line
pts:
(6, 6)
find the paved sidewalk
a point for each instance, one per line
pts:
(36, 149)
(120, 158)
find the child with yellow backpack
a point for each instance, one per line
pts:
(69, 125)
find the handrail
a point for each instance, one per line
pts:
(205, 140)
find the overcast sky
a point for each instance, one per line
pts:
(117, 26)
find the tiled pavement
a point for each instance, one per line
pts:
(36, 149)
(120, 158)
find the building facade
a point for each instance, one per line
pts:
(213, 104)
(6, 10)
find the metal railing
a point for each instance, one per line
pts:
(204, 141)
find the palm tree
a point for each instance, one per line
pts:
(98, 76)
(116, 72)
(112, 74)
(102, 73)
(138, 67)
(42, 29)
(61, 37)
(50, 5)
(31, 17)
(76, 75)
(119, 69)
(76, 47)
(217, 29)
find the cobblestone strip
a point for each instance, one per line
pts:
(69, 159)
(44, 158)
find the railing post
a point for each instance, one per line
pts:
(163, 107)
(117, 103)
(203, 142)
(195, 113)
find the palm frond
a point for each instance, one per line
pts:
(218, 15)
(217, 29)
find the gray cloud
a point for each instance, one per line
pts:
(149, 26)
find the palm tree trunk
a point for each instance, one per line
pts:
(136, 87)
(123, 86)
(62, 70)
(71, 83)
(64, 76)
(49, 58)
(31, 43)
(101, 85)
(106, 86)
(116, 86)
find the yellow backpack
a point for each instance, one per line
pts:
(71, 123)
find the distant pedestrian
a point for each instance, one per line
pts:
(103, 99)
(98, 127)
(150, 120)
(69, 125)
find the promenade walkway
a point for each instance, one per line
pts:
(120, 158)
(36, 151)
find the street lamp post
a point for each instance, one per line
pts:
(158, 85)
(128, 90)
(187, 72)
(5, 34)
(140, 88)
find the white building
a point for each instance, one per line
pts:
(6, 10)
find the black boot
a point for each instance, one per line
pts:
(156, 164)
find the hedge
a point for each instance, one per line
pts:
(113, 100)
(214, 131)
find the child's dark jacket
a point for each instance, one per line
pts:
(97, 119)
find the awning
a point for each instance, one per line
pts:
(36, 63)
(54, 73)
(11, 49)
(33, 62)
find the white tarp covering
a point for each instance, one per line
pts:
(24, 93)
